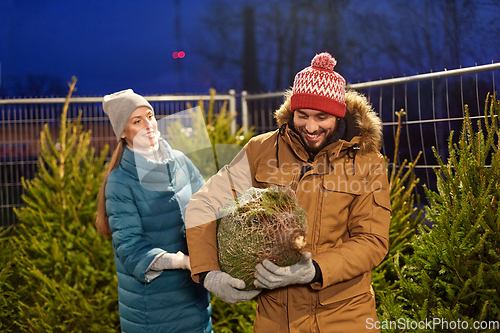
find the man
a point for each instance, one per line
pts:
(327, 150)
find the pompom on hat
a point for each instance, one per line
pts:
(319, 87)
(119, 106)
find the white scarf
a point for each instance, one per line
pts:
(155, 154)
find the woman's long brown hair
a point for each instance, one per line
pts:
(102, 223)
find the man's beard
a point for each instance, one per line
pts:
(335, 135)
(313, 150)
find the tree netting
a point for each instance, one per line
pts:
(260, 224)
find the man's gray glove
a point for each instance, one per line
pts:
(228, 288)
(271, 276)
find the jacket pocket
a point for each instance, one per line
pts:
(338, 194)
(382, 199)
(381, 213)
(335, 183)
(282, 176)
(271, 314)
(345, 290)
(263, 324)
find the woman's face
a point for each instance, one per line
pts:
(141, 130)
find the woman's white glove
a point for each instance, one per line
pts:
(228, 288)
(171, 261)
(271, 276)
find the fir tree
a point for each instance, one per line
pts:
(58, 274)
(405, 219)
(229, 318)
(454, 271)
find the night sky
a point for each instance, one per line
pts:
(107, 45)
(119, 44)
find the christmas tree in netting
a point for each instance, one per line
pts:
(260, 224)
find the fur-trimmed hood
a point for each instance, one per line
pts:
(360, 120)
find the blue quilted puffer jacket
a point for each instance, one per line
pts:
(145, 202)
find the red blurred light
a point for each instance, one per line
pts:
(181, 54)
(175, 55)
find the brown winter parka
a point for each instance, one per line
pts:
(345, 192)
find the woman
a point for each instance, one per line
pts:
(141, 206)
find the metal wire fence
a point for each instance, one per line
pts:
(434, 106)
(22, 120)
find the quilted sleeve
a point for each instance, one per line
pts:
(129, 242)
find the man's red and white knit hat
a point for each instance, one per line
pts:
(319, 87)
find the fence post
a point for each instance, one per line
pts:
(244, 111)
(232, 110)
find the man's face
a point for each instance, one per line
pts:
(315, 127)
